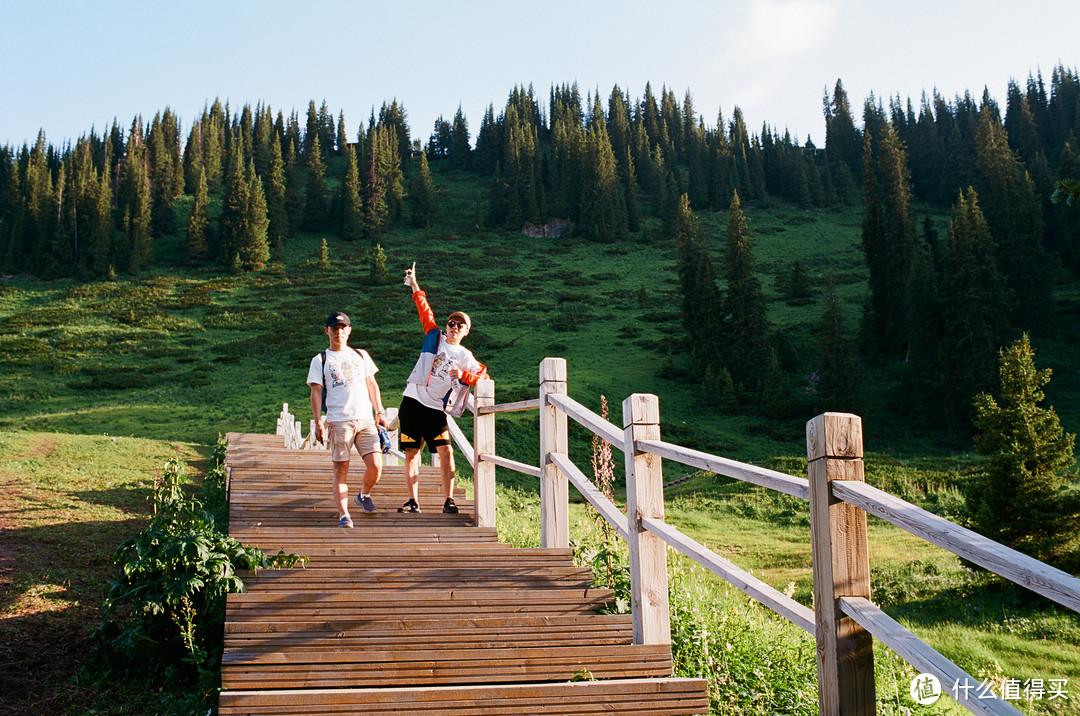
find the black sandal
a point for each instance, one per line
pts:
(410, 507)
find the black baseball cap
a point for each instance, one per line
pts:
(337, 317)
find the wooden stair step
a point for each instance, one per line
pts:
(355, 579)
(642, 697)
(304, 669)
(513, 624)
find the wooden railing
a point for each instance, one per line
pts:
(839, 498)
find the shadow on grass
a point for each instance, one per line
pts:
(53, 581)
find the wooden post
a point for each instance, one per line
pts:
(484, 443)
(841, 564)
(645, 498)
(554, 487)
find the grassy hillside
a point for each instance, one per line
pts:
(182, 357)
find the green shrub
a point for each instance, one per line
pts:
(164, 612)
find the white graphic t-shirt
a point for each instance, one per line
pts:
(433, 394)
(346, 373)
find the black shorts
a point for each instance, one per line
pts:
(419, 424)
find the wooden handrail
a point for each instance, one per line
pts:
(509, 407)
(588, 418)
(584, 485)
(779, 481)
(920, 654)
(742, 580)
(1041, 578)
(461, 441)
(511, 464)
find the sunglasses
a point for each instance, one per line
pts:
(455, 324)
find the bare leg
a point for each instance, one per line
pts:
(372, 473)
(446, 464)
(341, 487)
(412, 472)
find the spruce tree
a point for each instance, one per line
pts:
(888, 236)
(744, 308)
(375, 211)
(315, 198)
(277, 196)
(294, 188)
(423, 200)
(603, 214)
(254, 249)
(1026, 498)
(1014, 215)
(198, 224)
(837, 364)
(352, 206)
(377, 272)
(974, 307)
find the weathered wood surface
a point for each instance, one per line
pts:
(919, 654)
(422, 613)
(642, 697)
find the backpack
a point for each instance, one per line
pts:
(322, 357)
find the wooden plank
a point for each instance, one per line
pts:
(514, 407)
(919, 654)
(484, 442)
(511, 464)
(645, 499)
(841, 566)
(771, 479)
(554, 491)
(589, 419)
(1041, 578)
(631, 696)
(742, 580)
(588, 490)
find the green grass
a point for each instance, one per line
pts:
(183, 356)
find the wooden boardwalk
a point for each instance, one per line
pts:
(423, 614)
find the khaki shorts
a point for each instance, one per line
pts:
(343, 436)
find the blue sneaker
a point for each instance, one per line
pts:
(366, 504)
(345, 521)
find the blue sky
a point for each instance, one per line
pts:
(69, 66)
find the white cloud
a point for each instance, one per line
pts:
(776, 31)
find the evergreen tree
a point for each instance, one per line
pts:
(842, 141)
(744, 308)
(277, 197)
(974, 309)
(254, 249)
(459, 150)
(1014, 215)
(375, 211)
(838, 369)
(315, 197)
(198, 224)
(352, 205)
(701, 301)
(888, 236)
(137, 207)
(603, 214)
(162, 214)
(294, 188)
(1026, 497)
(235, 200)
(423, 200)
(378, 274)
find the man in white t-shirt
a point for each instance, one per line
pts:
(353, 408)
(443, 362)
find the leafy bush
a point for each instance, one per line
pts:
(165, 611)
